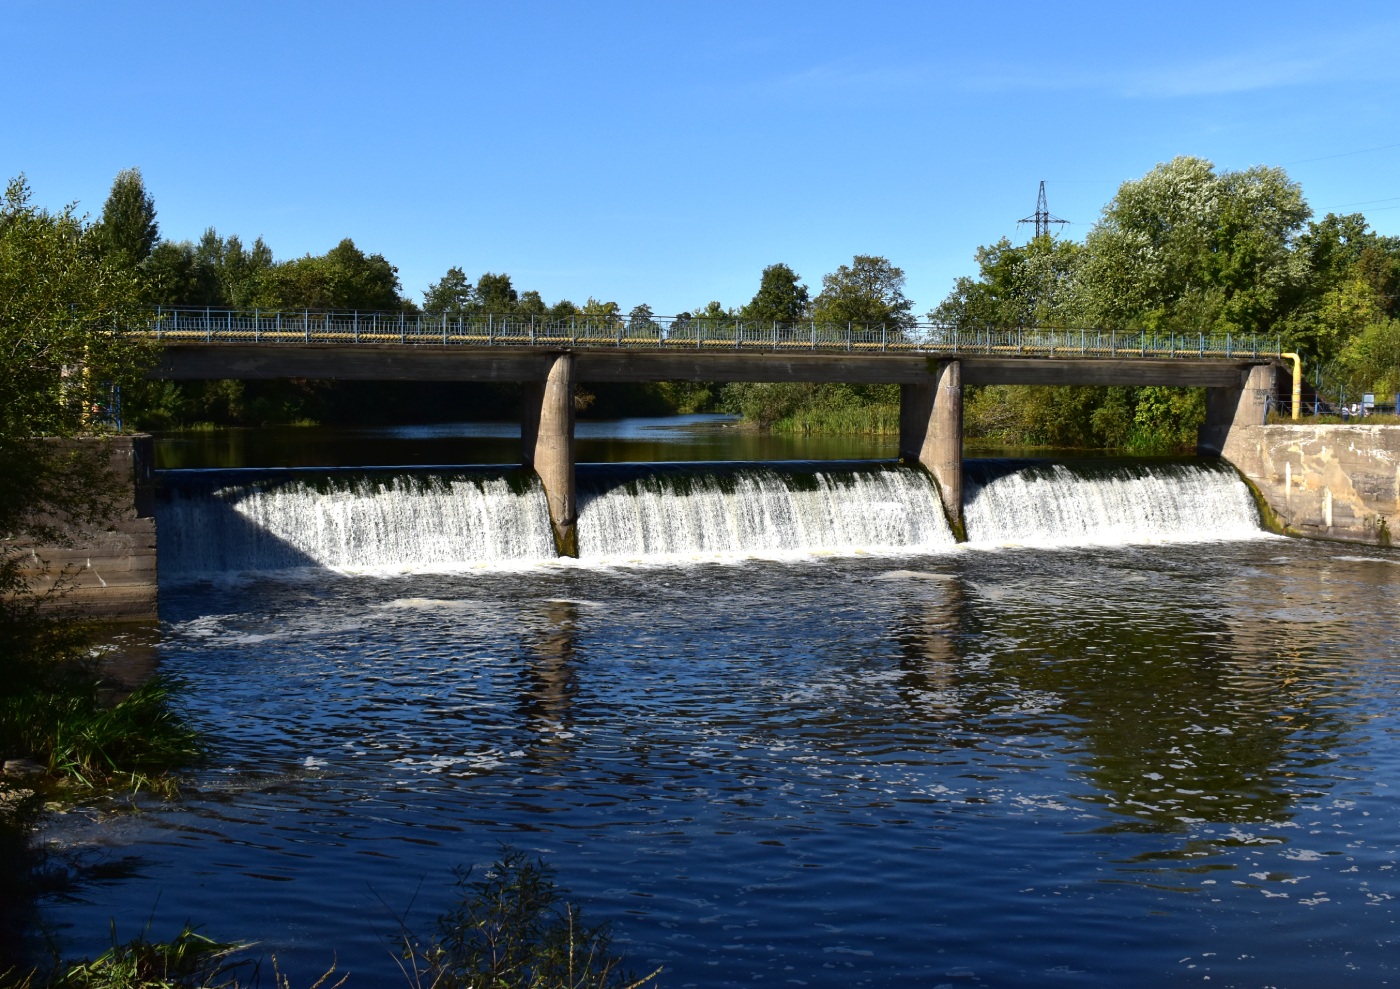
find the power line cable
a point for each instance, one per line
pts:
(1367, 202)
(1344, 154)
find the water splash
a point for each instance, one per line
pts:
(761, 510)
(1105, 503)
(383, 522)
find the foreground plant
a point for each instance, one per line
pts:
(63, 724)
(510, 930)
(188, 961)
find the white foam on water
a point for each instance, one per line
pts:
(761, 513)
(388, 525)
(1110, 505)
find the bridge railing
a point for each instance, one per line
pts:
(305, 326)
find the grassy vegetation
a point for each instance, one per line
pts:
(58, 710)
(62, 723)
(509, 929)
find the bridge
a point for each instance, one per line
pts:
(929, 361)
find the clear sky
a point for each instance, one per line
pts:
(666, 152)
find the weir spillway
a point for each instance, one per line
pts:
(931, 381)
(450, 519)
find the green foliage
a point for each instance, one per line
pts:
(188, 961)
(1139, 420)
(781, 297)
(495, 294)
(61, 360)
(60, 304)
(453, 295)
(804, 407)
(1037, 284)
(868, 290)
(60, 720)
(1371, 359)
(510, 930)
(342, 278)
(128, 226)
(1187, 250)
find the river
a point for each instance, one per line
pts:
(1115, 743)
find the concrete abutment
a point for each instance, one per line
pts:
(106, 571)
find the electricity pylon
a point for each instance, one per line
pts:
(1043, 217)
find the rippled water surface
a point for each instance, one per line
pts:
(1128, 766)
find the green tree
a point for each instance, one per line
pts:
(453, 295)
(563, 309)
(1186, 249)
(1370, 362)
(869, 290)
(495, 294)
(61, 361)
(1035, 284)
(600, 312)
(128, 226)
(343, 278)
(1353, 282)
(641, 321)
(781, 296)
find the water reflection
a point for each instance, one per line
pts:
(548, 680)
(1127, 757)
(670, 438)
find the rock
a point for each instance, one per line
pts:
(23, 767)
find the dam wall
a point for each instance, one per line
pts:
(1328, 482)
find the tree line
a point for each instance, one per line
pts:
(224, 272)
(1185, 249)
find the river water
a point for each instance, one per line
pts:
(1084, 749)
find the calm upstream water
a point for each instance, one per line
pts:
(1080, 750)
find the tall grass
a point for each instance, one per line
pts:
(62, 724)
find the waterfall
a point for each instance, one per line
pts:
(727, 509)
(348, 521)
(400, 520)
(1105, 502)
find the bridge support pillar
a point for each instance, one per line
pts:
(547, 447)
(931, 433)
(1228, 408)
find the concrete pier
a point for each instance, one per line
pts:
(547, 446)
(1231, 407)
(931, 433)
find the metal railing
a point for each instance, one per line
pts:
(185, 325)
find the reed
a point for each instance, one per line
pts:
(60, 722)
(511, 929)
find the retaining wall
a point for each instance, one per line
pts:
(1329, 482)
(109, 572)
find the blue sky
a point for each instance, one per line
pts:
(666, 152)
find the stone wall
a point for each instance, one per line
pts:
(110, 573)
(1329, 482)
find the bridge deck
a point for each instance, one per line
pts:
(395, 362)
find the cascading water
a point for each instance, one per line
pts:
(725, 510)
(1104, 503)
(222, 523)
(452, 519)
